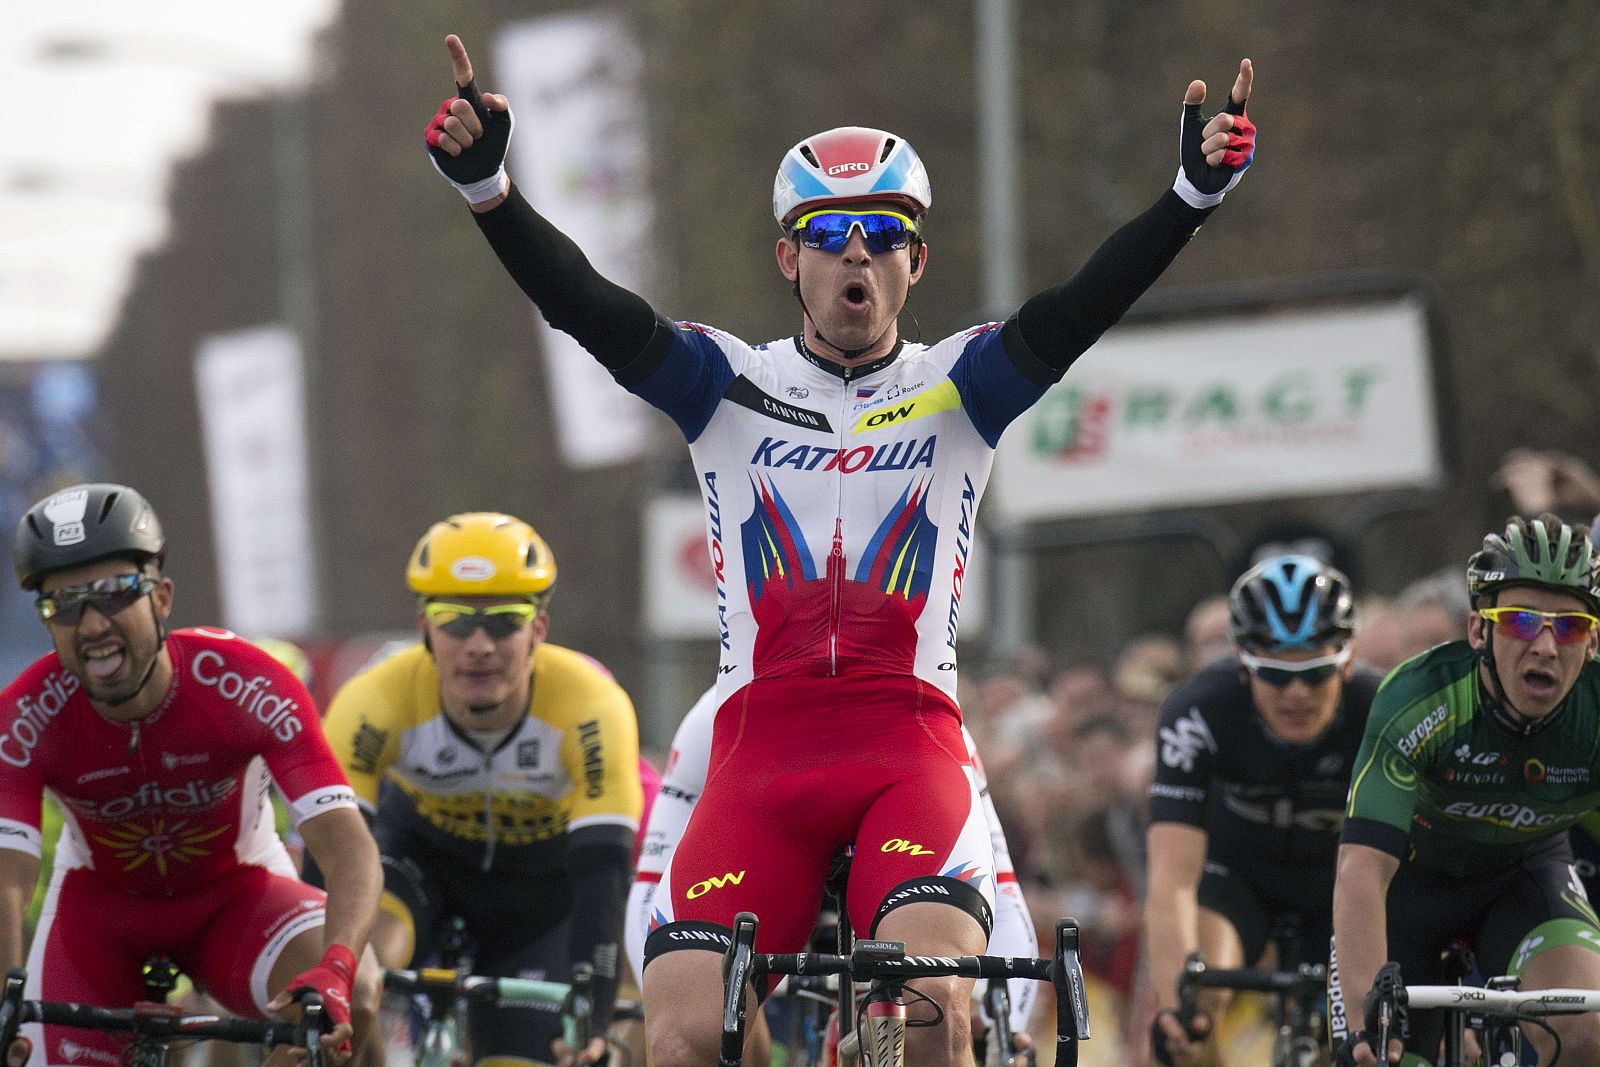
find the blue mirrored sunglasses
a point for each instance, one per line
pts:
(883, 231)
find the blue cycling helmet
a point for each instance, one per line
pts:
(1290, 602)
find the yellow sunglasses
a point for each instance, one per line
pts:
(499, 622)
(1568, 627)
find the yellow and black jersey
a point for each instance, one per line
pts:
(572, 763)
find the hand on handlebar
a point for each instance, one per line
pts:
(1172, 1044)
(17, 1055)
(593, 1053)
(1021, 1050)
(1356, 1051)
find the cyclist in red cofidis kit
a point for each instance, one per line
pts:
(161, 748)
(841, 470)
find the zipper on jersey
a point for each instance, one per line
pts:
(836, 585)
(836, 561)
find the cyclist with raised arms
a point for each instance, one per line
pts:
(1254, 755)
(840, 470)
(1479, 755)
(501, 774)
(161, 747)
(1013, 934)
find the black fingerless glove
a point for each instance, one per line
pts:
(479, 171)
(1199, 183)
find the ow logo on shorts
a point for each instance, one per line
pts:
(717, 881)
(900, 844)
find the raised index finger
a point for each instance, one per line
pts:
(1241, 84)
(460, 64)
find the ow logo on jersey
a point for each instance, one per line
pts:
(716, 881)
(942, 397)
(900, 844)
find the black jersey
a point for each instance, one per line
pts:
(1269, 808)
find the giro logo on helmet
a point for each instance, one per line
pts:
(847, 168)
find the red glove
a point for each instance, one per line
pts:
(332, 980)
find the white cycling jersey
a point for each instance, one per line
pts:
(840, 506)
(1013, 935)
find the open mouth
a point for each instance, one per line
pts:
(104, 661)
(855, 295)
(1541, 684)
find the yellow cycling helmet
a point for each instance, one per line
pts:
(481, 553)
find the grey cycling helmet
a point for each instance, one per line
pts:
(1288, 602)
(85, 524)
(1545, 553)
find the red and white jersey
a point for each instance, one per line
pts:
(184, 799)
(840, 509)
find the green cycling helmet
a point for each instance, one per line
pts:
(1544, 552)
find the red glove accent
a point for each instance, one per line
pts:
(332, 980)
(435, 127)
(1241, 143)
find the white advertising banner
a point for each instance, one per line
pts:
(579, 155)
(680, 591)
(251, 389)
(1229, 407)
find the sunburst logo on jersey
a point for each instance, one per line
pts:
(137, 844)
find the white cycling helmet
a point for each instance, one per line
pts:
(850, 164)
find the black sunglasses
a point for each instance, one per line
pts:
(108, 596)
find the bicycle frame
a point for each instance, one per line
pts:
(1296, 992)
(155, 1026)
(885, 966)
(997, 1004)
(445, 990)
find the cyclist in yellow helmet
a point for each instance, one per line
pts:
(501, 775)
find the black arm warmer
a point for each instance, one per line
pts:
(1378, 835)
(600, 871)
(614, 324)
(1058, 325)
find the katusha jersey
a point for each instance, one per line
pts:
(184, 800)
(840, 504)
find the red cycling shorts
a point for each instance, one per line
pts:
(91, 943)
(801, 768)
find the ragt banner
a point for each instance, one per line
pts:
(1229, 407)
